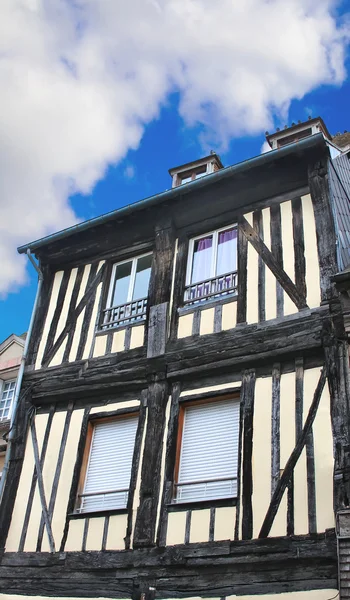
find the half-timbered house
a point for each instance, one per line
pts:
(182, 429)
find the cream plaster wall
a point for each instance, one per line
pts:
(261, 452)
(80, 319)
(225, 520)
(229, 315)
(118, 341)
(199, 530)
(137, 336)
(116, 532)
(2, 461)
(14, 350)
(185, 325)
(311, 255)
(115, 406)
(93, 320)
(136, 501)
(211, 388)
(74, 540)
(100, 345)
(270, 279)
(167, 414)
(52, 305)
(252, 279)
(95, 533)
(207, 321)
(176, 528)
(288, 252)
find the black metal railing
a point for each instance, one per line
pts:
(124, 314)
(211, 288)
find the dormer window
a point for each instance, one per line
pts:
(195, 170)
(128, 291)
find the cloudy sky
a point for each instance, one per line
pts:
(99, 98)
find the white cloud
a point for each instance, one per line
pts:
(129, 172)
(80, 79)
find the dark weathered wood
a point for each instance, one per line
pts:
(196, 323)
(57, 313)
(259, 228)
(275, 426)
(311, 482)
(105, 533)
(212, 524)
(290, 505)
(242, 257)
(87, 314)
(85, 534)
(40, 315)
(292, 461)
(170, 457)
(56, 476)
(210, 569)
(217, 318)
(72, 305)
(273, 264)
(45, 512)
(162, 264)
(239, 470)
(34, 480)
(71, 320)
(109, 342)
(337, 364)
(179, 283)
(188, 526)
(325, 230)
(299, 247)
(157, 329)
(127, 338)
(248, 391)
(76, 475)
(135, 466)
(157, 397)
(277, 251)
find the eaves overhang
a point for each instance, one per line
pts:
(303, 146)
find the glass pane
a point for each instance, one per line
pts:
(122, 282)
(143, 272)
(227, 252)
(202, 253)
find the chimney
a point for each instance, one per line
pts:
(196, 169)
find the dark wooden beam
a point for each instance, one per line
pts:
(247, 394)
(242, 274)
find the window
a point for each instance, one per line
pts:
(106, 479)
(207, 451)
(7, 395)
(187, 177)
(127, 296)
(212, 265)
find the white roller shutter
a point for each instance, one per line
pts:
(209, 451)
(109, 466)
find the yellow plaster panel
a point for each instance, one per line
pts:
(167, 413)
(309, 595)
(211, 388)
(53, 301)
(65, 481)
(270, 280)
(176, 528)
(95, 533)
(207, 321)
(287, 443)
(100, 345)
(118, 341)
(115, 406)
(199, 531)
(79, 323)
(35, 515)
(2, 461)
(25, 481)
(229, 315)
(75, 535)
(225, 520)
(261, 452)
(116, 532)
(323, 449)
(311, 254)
(185, 326)
(93, 320)
(137, 336)
(288, 252)
(58, 357)
(301, 523)
(252, 279)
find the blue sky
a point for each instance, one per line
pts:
(86, 139)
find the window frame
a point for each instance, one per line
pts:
(2, 390)
(133, 260)
(84, 465)
(187, 403)
(215, 234)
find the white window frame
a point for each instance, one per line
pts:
(3, 382)
(215, 235)
(132, 279)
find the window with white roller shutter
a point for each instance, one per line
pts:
(208, 459)
(108, 471)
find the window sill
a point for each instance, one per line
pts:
(119, 327)
(204, 304)
(98, 513)
(196, 504)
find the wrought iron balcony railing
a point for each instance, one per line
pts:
(124, 314)
(211, 288)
